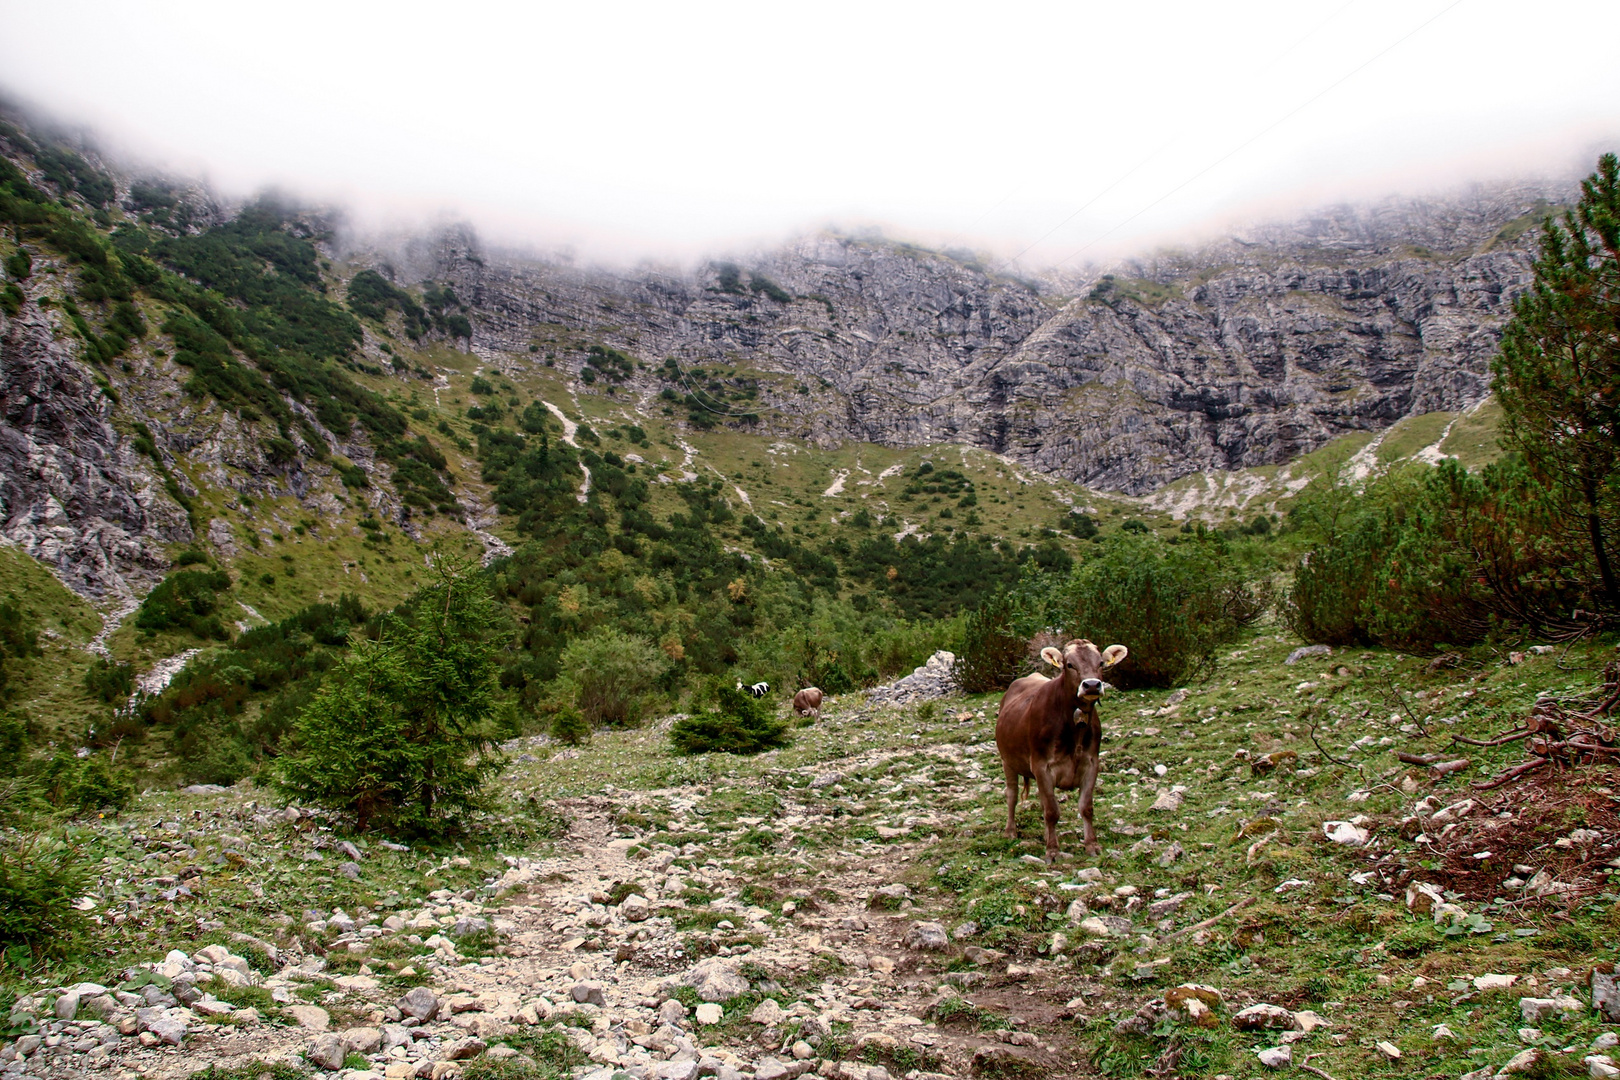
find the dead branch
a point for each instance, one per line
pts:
(1512, 774)
(1400, 699)
(1207, 923)
(1501, 740)
(1330, 757)
(1314, 1070)
(1419, 759)
(1443, 768)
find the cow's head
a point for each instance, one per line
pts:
(1083, 665)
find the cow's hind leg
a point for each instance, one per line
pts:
(1012, 800)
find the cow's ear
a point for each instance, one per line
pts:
(1114, 654)
(1052, 656)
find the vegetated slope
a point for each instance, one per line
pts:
(859, 880)
(161, 378)
(1251, 351)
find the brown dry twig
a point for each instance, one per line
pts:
(1320, 749)
(1512, 774)
(1314, 1070)
(1207, 923)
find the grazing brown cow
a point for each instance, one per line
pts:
(807, 702)
(1048, 730)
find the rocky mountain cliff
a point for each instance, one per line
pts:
(1249, 351)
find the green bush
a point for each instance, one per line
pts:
(40, 877)
(741, 724)
(85, 785)
(187, 600)
(1427, 557)
(19, 636)
(109, 680)
(399, 735)
(609, 672)
(371, 295)
(994, 649)
(1173, 605)
(568, 726)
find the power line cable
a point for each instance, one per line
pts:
(1155, 152)
(1259, 134)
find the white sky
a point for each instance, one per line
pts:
(1073, 130)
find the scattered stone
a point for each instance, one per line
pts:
(709, 1013)
(1106, 926)
(635, 908)
(168, 1028)
(1491, 981)
(1534, 1010)
(590, 992)
(464, 1049)
(768, 1012)
(1423, 898)
(1276, 1057)
(1307, 650)
(715, 979)
(927, 937)
(933, 679)
(1388, 1049)
(891, 896)
(363, 1040)
(326, 1052)
(308, 1017)
(1606, 993)
(1264, 1016)
(671, 1012)
(1343, 832)
(1171, 799)
(1194, 1003)
(1308, 1021)
(1521, 1062)
(420, 1003)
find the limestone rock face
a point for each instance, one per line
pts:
(1250, 351)
(73, 493)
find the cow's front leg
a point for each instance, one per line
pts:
(1088, 786)
(1049, 810)
(1012, 800)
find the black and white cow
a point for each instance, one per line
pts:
(759, 689)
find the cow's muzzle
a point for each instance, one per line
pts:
(1091, 688)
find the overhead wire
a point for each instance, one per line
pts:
(1150, 155)
(1260, 134)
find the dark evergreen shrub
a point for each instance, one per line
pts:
(40, 877)
(187, 600)
(740, 724)
(1174, 606)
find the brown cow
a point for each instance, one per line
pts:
(807, 702)
(1048, 730)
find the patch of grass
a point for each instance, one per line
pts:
(253, 1070)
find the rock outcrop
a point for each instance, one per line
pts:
(1249, 352)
